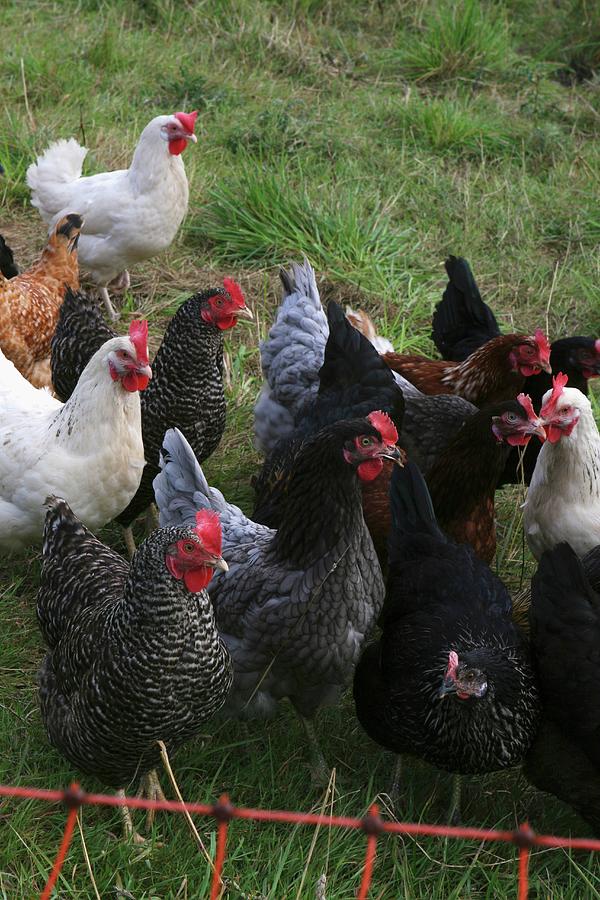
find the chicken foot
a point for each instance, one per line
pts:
(128, 829)
(320, 772)
(150, 789)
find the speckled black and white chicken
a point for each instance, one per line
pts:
(134, 656)
(187, 386)
(297, 603)
(450, 680)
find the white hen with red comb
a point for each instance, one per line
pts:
(129, 214)
(88, 450)
(563, 500)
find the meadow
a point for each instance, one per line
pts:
(376, 137)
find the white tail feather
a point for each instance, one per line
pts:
(58, 166)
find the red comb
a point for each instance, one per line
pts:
(138, 333)
(384, 425)
(543, 345)
(208, 529)
(525, 401)
(188, 120)
(234, 291)
(549, 407)
(452, 665)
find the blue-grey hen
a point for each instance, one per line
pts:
(134, 655)
(297, 602)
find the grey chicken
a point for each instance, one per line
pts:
(297, 603)
(134, 656)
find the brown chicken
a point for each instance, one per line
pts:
(493, 373)
(30, 303)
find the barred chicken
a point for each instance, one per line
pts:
(450, 680)
(130, 214)
(297, 603)
(30, 303)
(134, 656)
(89, 449)
(187, 385)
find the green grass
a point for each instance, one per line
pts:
(376, 137)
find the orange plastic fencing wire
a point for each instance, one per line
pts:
(523, 838)
(222, 812)
(372, 824)
(72, 801)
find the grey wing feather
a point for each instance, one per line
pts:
(181, 490)
(291, 356)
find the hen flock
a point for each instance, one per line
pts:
(367, 559)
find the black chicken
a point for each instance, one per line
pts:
(186, 390)
(7, 260)
(297, 603)
(134, 656)
(462, 322)
(565, 636)
(450, 679)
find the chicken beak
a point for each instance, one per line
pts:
(546, 367)
(448, 687)
(219, 563)
(395, 454)
(244, 313)
(539, 430)
(144, 370)
(192, 138)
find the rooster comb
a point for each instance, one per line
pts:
(138, 334)
(558, 383)
(452, 664)
(208, 529)
(384, 425)
(542, 344)
(234, 291)
(188, 120)
(525, 401)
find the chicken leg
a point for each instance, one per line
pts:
(394, 789)
(111, 312)
(454, 813)
(319, 770)
(128, 830)
(150, 789)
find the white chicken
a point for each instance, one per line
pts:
(563, 500)
(88, 449)
(130, 214)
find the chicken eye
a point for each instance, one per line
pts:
(527, 350)
(188, 547)
(511, 417)
(366, 441)
(219, 302)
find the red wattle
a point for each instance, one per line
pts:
(196, 579)
(553, 433)
(177, 146)
(133, 381)
(370, 469)
(226, 322)
(518, 440)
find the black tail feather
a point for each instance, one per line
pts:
(461, 322)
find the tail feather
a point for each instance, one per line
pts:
(462, 322)
(301, 279)
(58, 166)
(411, 506)
(180, 487)
(61, 525)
